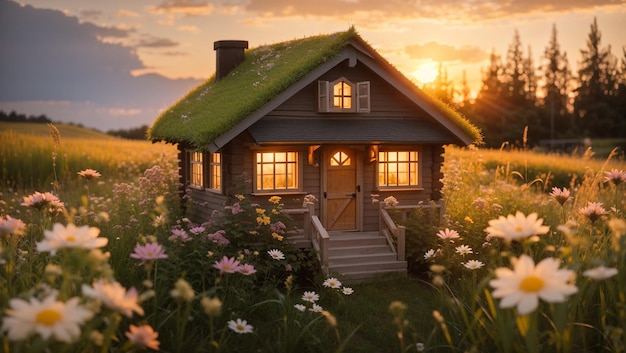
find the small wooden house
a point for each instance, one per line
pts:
(324, 115)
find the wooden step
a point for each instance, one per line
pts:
(362, 258)
(358, 250)
(368, 266)
(364, 276)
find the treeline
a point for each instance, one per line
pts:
(550, 98)
(138, 133)
(22, 118)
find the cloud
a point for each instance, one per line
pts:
(49, 56)
(90, 14)
(444, 52)
(127, 13)
(365, 11)
(153, 42)
(185, 7)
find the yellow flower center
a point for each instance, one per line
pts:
(48, 317)
(531, 284)
(518, 229)
(70, 239)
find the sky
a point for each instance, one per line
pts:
(116, 64)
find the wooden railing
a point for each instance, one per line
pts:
(320, 242)
(314, 231)
(391, 230)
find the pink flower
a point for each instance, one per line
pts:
(179, 234)
(46, 201)
(143, 336)
(236, 208)
(593, 211)
(615, 176)
(197, 230)
(227, 265)
(89, 174)
(448, 234)
(247, 269)
(218, 237)
(560, 195)
(149, 251)
(12, 226)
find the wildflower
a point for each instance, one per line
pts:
(260, 211)
(437, 268)
(149, 251)
(114, 296)
(276, 254)
(479, 203)
(310, 296)
(468, 219)
(429, 254)
(593, 211)
(397, 308)
(316, 308)
(247, 269)
(89, 174)
(219, 237)
(274, 199)
(96, 337)
(60, 237)
(374, 198)
(615, 176)
(526, 284)
(277, 236)
(227, 265)
(332, 282)
(516, 227)
(473, 264)
(143, 336)
(347, 290)
(309, 199)
(448, 234)
(47, 318)
(182, 291)
(263, 220)
(236, 208)
(278, 227)
(463, 250)
(211, 306)
(43, 201)
(391, 201)
(240, 326)
(197, 230)
(560, 195)
(240, 197)
(600, 273)
(179, 234)
(419, 346)
(300, 307)
(13, 226)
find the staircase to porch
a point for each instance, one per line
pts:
(358, 256)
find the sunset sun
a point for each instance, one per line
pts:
(426, 73)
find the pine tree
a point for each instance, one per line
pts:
(556, 89)
(597, 86)
(514, 75)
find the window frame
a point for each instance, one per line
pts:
(418, 168)
(196, 168)
(299, 167)
(213, 167)
(359, 96)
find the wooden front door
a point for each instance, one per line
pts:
(341, 189)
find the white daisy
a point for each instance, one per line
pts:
(310, 296)
(300, 307)
(347, 290)
(463, 250)
(60, 237)
(332, 282)
(600, 273)
(47, 318)
(240, 326)
(526, 283)
(276, 254)
(316, 308)
(115, 297)
(473, 264)
(516, 227)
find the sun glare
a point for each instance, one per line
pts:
(426, 73)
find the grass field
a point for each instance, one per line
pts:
(191, 300)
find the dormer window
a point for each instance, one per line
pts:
(341, 95)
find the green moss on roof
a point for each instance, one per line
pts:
(205, 113)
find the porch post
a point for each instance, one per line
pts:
(401, 242)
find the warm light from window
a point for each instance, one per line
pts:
(342, 95)
(340, 159)
(277, 170)
(397, 168)
(197, 176)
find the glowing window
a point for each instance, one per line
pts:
(276, 171)
(342, 95)
(398, 169)
(216, 171)
(197, 172)
(340, 159)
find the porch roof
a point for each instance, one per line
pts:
(338, 130)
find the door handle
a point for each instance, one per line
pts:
(358, 188)
(351, 195)
(324, 194)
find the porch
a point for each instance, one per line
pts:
(357, 256)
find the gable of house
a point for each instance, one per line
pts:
(215, 112)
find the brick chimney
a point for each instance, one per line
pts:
(229, 54)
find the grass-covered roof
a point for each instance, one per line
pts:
(213, 108)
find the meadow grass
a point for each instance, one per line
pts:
(445, 307)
